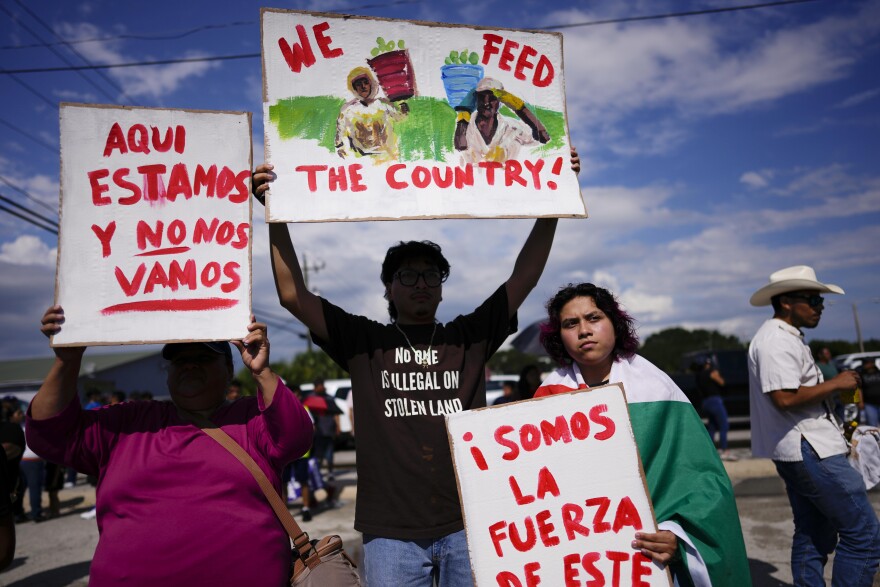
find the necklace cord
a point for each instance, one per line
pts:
(424, 362)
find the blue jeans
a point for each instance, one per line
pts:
(322, 449)
(870, 415)
(713, 406)
(829, 502)
(417, 563)
(34, 473)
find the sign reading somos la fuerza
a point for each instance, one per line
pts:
(154, 244)
(552, 492)
(388, 119)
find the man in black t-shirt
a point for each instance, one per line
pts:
(406, 376)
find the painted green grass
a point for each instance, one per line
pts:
(426, 133)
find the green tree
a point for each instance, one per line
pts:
(666, 347)
(308, 366)
(303, 368)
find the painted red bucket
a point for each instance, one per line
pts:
(395, 73)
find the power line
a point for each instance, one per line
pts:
(54, 51)
(185, 33)
(140, 37)
(263, 311)
(281, 326)
(133, 64)
(73, 50)
(676, 14)
(28, 220)
(28, 196)
(33, 91)
(552, 27)
(49, 221)
(26, 134)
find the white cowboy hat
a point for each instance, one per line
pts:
(799, 277)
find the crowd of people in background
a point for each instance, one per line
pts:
(31, 477)
(33, 480)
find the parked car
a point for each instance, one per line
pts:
(338, 389)
(494, 386)
(855, 360)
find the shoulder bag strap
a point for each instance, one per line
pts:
(300, 538)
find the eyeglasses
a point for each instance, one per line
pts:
(410, 277)
(813, 300)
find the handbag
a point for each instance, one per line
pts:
(316, 563)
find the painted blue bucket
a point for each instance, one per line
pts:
(458, 80)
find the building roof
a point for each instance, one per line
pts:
(21, 370)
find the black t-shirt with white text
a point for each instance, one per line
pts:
(406, 483)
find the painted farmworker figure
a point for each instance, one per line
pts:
(484, 135)
(365, 125)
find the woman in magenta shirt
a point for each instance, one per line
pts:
(173, 506)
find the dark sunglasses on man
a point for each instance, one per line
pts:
(812, 300)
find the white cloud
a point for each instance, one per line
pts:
(41, 187)
(859, 98)
(68, 95)
(822, 183)
(676, 70)
(755, 179)
(155, 81)
(646, 305)
(630, 207)
(27, 250)
(699, 269)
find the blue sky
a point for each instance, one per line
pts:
(716, 149)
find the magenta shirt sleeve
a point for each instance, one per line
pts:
(288, 430)
(74, 437)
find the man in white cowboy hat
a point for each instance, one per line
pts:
(793, 424)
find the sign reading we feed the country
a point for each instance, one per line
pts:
(155, 232)
(389, 119)
(552, 492)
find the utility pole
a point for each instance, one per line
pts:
(315, 267)
(858, 328)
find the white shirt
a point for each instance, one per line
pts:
(509, 136)
(779, 359)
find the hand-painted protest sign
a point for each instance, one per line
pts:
(553, 492)
(389, 119)
(155, 232)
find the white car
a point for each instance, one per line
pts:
(855, 360)
(339, 390)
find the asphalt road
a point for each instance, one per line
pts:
(57, 552)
